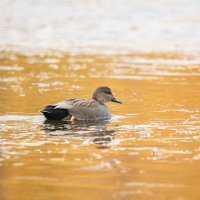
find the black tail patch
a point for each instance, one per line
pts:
(55, 114)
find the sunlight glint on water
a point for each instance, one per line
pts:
(150, 147)
(147, 52)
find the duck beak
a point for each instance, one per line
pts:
(115, 100)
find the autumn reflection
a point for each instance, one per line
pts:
(97, 130)
(155, 129)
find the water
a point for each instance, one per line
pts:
(101, 26)
(149, 149)
(55, 50)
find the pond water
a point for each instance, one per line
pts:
(149, 149)
(147, 53)
(106, 25)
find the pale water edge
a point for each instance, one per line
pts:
(101, 26)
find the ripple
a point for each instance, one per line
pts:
(11, 68)
(21, 118)
(103, 165)
(154, 185)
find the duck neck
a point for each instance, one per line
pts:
(98, 99)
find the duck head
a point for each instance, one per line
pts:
(103, 95)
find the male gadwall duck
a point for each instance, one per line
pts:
(82, 109)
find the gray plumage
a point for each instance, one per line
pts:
(83, 109)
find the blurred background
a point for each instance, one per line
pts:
(147, 52)
(101, 25)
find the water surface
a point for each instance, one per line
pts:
(101, 26)
(147, 52)
(148, 150)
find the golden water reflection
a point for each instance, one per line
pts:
(148, 150)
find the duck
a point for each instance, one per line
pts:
(94, 108)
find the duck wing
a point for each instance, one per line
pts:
(75, 103)
(84, 109)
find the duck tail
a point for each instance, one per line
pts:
(52, 113)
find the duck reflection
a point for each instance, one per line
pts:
(97, 130)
